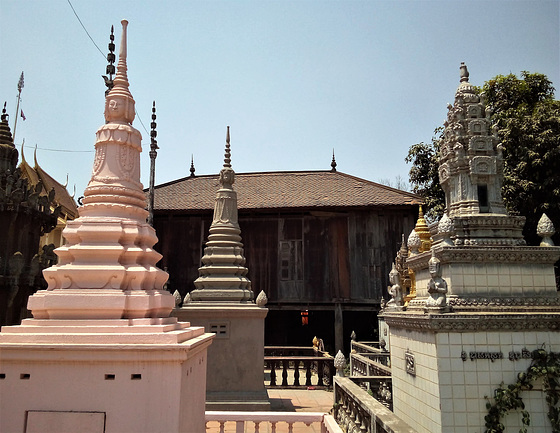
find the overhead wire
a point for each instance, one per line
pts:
(57, 150)
(104, 56)
(85, 30)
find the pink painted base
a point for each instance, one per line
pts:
(139, 375)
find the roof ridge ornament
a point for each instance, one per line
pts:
(22, 155)
(35, 157)
(333, 163)
(192, 170)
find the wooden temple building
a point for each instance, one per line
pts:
(319, 243)
(34, 209)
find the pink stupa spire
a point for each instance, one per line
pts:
(107, 268)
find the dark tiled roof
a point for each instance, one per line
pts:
(280, 190)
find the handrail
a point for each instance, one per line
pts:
(356, 410)
(363, 366)
(327, 422)
(294, 351)
(365, 346)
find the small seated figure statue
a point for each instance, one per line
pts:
(437, 286)
(395, 290)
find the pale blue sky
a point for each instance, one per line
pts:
(292, 79)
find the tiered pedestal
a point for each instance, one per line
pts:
(103, 376)
(235, 378)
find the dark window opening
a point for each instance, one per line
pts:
(483, 198)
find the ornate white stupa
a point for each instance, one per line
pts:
(486, 304)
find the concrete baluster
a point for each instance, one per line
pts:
(296, 372)
(319, 373)
(239, 426)
(272, 373)
(307, 373)
(285, 366)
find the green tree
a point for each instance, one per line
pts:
(528, 121)
(423, 174)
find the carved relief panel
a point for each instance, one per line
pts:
(480, 144)
(483, 165)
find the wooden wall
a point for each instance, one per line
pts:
(304, 258)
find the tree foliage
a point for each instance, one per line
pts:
(424, 174)
(528, 121)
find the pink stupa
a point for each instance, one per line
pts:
(107, 268)
(101, 352)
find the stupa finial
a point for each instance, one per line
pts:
(119, 104)
(227, 175)
(227, 157)
(333, 163)
(464, 73)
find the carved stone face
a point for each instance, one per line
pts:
(115, 109)
(393, 277)
(434, 268)
(227, 177)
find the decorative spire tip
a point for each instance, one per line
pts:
(192, 166)
(464, 73)
(227, 158)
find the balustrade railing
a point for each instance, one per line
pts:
(357, 411)
(290, 366)
(380, 387)
(364, 346)
(275, 422)
(361, 365)
(293, 351)
(369, 350)
(299, 371)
